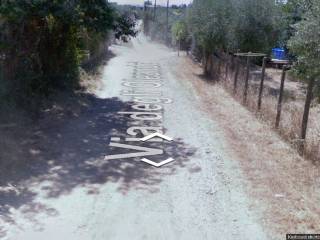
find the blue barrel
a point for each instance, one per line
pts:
(279, 53)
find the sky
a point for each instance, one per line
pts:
(162, 2)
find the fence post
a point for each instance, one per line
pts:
(246, 84)
(262, 82)
(211, 66)
(306, 114)
(232, 62)
(213, 69)
(279, 106)
(219, 68)
(235, 83)
(226, 69)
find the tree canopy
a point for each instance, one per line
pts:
(42, 43)
(305, 43)
(231, 25)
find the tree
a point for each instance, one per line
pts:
(180, 33)
(41, 41)
(305, 45)
(156, 27)
(125, 26)
(209, 20)
(291, 14)
(255, 25)
(235, 25)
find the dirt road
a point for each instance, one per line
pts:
(85, 179)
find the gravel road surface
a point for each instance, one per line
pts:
(108, 192)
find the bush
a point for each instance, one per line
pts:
(41, 41)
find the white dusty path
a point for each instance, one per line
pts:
(201, 195)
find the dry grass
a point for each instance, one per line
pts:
(292, 108)
(284, 189)
(313, 141)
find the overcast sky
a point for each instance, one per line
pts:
(162, 2)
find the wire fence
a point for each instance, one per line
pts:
(275, 99)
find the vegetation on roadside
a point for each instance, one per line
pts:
(235, 25)
(180, 35)
(42, 44)
(159, 21)
(305, 43)
(217, 28)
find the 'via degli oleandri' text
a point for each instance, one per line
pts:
(146, 114)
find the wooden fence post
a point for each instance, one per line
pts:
(248, 55)
(306, 114)
(232, 62)
(226, 69)
(279, 106)
(262, 82)
(235, 82)
(212, 67)
(219, 68)
(246, 84)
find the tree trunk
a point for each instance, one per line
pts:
(206, 61)
(246, 83)
(279, 106)
(236, 75)
(262, 83)
(306, 114)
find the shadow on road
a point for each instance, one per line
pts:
(55, 155)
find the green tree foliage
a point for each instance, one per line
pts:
(231, 25)
(292, 13)
(256, 25)
(209, 21)
(41, 42)
(305, 43)
(180, 32)
(155, 23)
(125, 26)
(180, 36)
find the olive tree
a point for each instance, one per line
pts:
(180, 33)
(209, 21)
(305, 44)
(256, 25)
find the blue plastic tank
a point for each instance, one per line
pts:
(279, 53)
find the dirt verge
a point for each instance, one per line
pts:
(284, 187)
